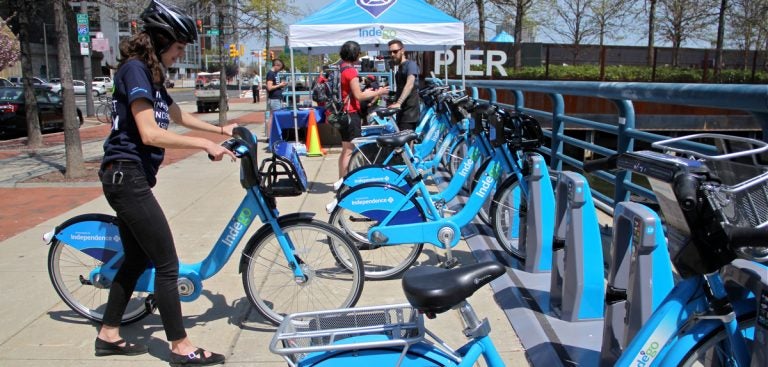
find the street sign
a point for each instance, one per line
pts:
(82, 28)
(212, 32)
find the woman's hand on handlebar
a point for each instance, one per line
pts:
(216, 152)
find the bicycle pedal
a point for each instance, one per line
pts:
(149, 303)
(450, 263)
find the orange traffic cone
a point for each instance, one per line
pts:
(313, 138)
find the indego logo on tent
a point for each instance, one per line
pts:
(376, 32)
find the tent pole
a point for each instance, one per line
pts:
(445, 60)
(293, 95)
(463, 73)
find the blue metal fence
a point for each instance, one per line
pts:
(748, 98)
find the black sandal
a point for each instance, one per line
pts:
(197, 358)
(105, 348)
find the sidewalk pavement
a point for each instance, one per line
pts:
(198, 197)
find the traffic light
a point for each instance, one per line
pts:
(264, 54)
(232, 50)
(271, 55)
(134, 27)
(241, 52)
(200, 25)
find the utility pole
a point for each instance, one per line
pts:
(88, 73)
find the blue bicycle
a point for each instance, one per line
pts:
(390, 224)
(716, 210)
(291, 264)
(394, 335)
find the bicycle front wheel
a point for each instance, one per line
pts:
(379, 261)
(70, 271)
(711, 350)
(320, 250)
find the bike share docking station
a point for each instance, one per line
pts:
(581, 312)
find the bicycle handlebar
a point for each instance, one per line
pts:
(739, 237)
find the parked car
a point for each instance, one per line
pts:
(105, 80)
(19, 81)
(13, 119)
(5, 83)
(79, 86)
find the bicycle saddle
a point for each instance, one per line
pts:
(434, 290)
(385, 112)
(397, 139)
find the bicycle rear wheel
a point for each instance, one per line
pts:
(269, 281)
(506, 216)
(70, 272)
(104, 113)
(379, 261)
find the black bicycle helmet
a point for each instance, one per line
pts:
(170, 20)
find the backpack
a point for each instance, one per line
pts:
(329, 91)
(321, 91)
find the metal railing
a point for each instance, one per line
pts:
(752, 99)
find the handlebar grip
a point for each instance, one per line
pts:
(229, 144)
(604, 163)
(746, 236)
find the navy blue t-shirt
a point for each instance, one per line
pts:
(132, 82)
(276, 93)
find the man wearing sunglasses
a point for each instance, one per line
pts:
(406, 80)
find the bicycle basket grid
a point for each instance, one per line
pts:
(348, 329)
(283, 174)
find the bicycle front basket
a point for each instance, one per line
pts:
(283, 174)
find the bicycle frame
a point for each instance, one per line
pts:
(679, 318)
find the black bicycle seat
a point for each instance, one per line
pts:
(397, 139)
(385, 112)
(434, 290)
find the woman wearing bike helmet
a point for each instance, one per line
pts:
(133, 153)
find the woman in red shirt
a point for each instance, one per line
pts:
(351, 95)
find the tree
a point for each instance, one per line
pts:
(747, 26)
(9, 45)
(651, 31)
(608, 17)
(572, 22)
(683, 20)
(75, 166)
(27, 12)
(521, 8)
(264, 18)
(720, 35)
(480, 19)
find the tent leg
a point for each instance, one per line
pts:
(293, 95)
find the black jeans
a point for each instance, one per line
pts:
(146, 238)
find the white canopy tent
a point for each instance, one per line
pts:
(373, 23)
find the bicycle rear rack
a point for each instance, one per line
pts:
(387, 326)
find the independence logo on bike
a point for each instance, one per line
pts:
(375, 7)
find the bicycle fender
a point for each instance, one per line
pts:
(377, 200)
(96, 235)
(266, 229)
